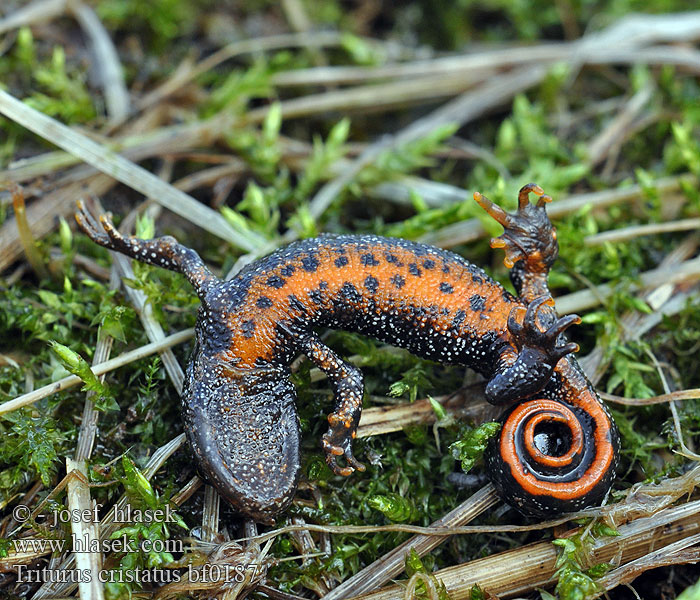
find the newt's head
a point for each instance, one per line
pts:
(243, 427)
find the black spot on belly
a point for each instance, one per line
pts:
(349, 292)
(445, 269)
(287, 270)
(393, 259)
(296, 304)
(398, 281)
(477, 302)
(247, 328)
(446, 288)
(414, 270)
(275, 281)
(309, 264)
(263, 302)
(428, 264)
(368, 260)
(459, 317)
(322, 285)
(341, 261)
(371, 284)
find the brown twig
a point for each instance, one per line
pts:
(692, 394)
(524, 569)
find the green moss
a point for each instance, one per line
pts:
(50, 84)
(575, 582)
(159, 21)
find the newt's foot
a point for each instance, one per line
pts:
(539, 351)
(529, 335)
(528, 235)
(163, 252)
(337, 441)
(103, 232)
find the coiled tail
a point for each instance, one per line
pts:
(552, 457)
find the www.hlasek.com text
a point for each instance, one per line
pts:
(91, 544)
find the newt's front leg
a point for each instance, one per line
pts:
(526, 372)
(530, 243)
(529, 239)
(163, 252)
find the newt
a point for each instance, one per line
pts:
(558, 447)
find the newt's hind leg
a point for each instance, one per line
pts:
(348, 387)
(526, 372)
(163, 252)
(529, 239)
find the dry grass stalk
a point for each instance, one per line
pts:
(210, 514)
(108, 66)
(635, 231)
(524, 569)
(630, 40)
(86, 531)
(123, 170)
(392, 564)
(692, 394)
(380, 420)
(35, 12)
(88, 423)
(105, 367)
(680, 552)
(616, 131)
(585, 299)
